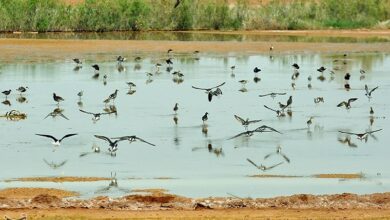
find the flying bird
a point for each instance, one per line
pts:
(262, 167)
(246, 122)
(369, 92)
(56, 142)
(278, 152)
(113, 145)
(96, 116)
(361, 136)
(132, 138)
(273, 94)
(347, 104)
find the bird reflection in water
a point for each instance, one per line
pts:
(216, 151)
(95, 150)
(113, 185)
(21, 99)
(54, 165)
(57, 112)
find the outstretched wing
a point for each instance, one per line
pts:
(210, 96)
(273, 166)
(238, 135)
(345, 132)
(372, 90)
(270, 108)
(103, 138)
(68, 135)
(62, 115)
(48, 136)
(285, 157)
(268, 155)
(352, 100)
(254, 121)
(265, 95)
(370, 132)
(366, 88)
(86, 112)
(142, 140)
(342, 103)
(253, 163)
(241, 120)
(208, 89)
(263, 127)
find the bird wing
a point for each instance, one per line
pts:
(273, 166)
(103, 138)
(372, 90)
(85, 154)
(238, 135)
(370, 132)
(280, 93)
(263, 127)
(200, 88)
(285, 157)
(210, 96)
(62, 115)
(241, 120)
(68, 135)
(142, 140)
(48, 136)
(86, 112)
(265, 95)
(270, 108)
(345, 132)
(352, 100)
(342, 103)
(208, 89)
(268, 155)
(254, 121)
(253, 163)
(366, 88)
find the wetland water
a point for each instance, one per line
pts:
(180, 162)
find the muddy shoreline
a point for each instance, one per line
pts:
(33, 50)
(161, 204)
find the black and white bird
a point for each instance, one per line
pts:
(132, 138)
(347, 104)
(169, 61)
(262, 167)
(209, 91)
(279, 113)
(56, 142)
(6, 93)
(175, 108)
(321, 69)
(361, 136)
(131, 84)
(296, 66)
(205, 117)
(246, 122)
(261, 129)
(256, 70)
(77, 61)
(120, 59)
(369, 92)
(97, 69)
(96, 116)
(57, 98)
(347, 76)
(113, 145)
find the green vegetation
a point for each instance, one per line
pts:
(136, 15)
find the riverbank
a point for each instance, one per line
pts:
(158, 204)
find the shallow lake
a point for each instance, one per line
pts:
(181, 161)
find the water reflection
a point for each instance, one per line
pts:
(197, 36)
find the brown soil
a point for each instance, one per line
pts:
(43, 50)
(340, 176)
(59, 179)
(157, 204)
(274, 176)
(23, 193)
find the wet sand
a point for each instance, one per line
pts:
(31, 50)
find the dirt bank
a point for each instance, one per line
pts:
(30, 50)
(159, 204)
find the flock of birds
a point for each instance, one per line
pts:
(215, 91)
